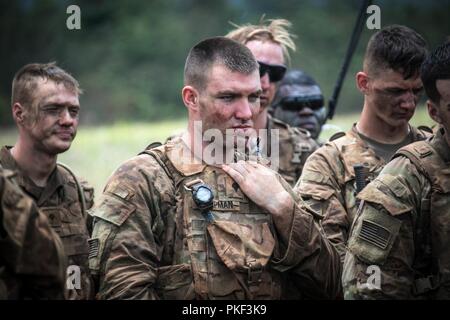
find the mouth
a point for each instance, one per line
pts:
(64, 134)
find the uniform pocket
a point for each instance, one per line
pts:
(241, 246)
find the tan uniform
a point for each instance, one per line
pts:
(295, 146)
(154, 241)
(32, 263)
(60, 201)
(404, 228)
(327, 183)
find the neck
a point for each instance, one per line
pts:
(207, 152)
(376, 129)
(34, 163)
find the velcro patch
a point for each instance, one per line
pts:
(374, 234)
(94, 245)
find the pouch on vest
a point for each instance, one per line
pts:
(242, 246)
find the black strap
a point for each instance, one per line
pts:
(348, 57)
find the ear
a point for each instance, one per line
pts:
(190, 98)
(362, 82)
(433, 111)
(18, 113)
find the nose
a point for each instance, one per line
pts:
(306, 111)
(65, 119)
(265, 82)
(408, 101)
(244, 110)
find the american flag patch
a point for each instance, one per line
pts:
(374, 234)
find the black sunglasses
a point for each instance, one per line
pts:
(314, 102)
(276, 71)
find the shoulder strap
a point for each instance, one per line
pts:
(79, 188)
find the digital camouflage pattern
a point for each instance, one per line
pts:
(295, 146)
(32, 263)
(327, 183)
(154, 242)
(60, 202)
(404, 228)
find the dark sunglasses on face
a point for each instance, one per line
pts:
(297, 103)
(276, 71)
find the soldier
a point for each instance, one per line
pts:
(270, 41)
(45, 108)
(173, 224)
(403, 227)
(32, 264)
(299, 102)
(392, 87)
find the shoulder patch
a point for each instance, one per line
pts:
(336, 136)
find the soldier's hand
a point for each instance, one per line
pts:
(261, 185)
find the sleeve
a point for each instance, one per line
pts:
(31, 251)
(379, 262)
(320, 189)
(125, 248)
(311, 260)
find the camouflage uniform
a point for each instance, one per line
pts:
(32, 260)
(153, 242)
(403, 227)
(295, 146)
(327, 183)
(60, 202)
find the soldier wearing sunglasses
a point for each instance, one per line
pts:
(270, 42)
(299, 102)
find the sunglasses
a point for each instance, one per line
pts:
(314, 102)
(276, 71)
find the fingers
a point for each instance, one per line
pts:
(234, 174)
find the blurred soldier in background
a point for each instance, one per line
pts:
(270, 41)
(45, 108)
(299, 102)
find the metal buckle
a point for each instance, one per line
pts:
(254, 274)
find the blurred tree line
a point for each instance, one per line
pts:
(129, 55)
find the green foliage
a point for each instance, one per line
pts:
(129, 55)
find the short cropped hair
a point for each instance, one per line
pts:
(398, 48)
(218, 50)
(274, 30)
(435, 67)
(25, 80)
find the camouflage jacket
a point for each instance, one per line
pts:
(295, 146)
(327, 183)
(152, 242)
(402, 232)
(32, 262)
(60, 201)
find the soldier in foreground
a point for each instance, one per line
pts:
(299, 102)
(175, 223)
(45, 108)
(403, 229)
(337, 171)
(270, 42)
(32, 264)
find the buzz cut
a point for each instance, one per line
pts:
(217, 50)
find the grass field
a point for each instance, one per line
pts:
(98, 151)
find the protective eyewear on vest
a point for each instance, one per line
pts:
(293, 103)
(276, 71)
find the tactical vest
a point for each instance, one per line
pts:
(432, 232)
(221, 253)
(68, 219)
(294, 148)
